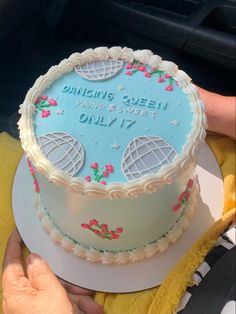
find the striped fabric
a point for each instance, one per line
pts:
(225, 243)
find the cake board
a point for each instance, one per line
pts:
(118, 278)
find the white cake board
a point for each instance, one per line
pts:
(118, 278)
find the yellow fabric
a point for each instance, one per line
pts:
(164, 300)
(157, 300)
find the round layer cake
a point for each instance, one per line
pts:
(112, 137)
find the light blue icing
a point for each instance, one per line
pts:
(106, 141)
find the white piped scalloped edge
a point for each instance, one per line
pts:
(148, 183)
(106, 257)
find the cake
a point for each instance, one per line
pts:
(111, 137)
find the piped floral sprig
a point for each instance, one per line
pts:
(32, 172)
(184, 197)
(99, 174)
(102, 230)
(136, 66)
(169, 87)
(44, 102)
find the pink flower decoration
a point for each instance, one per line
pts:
(135, 66)
(153, 69)
(161, 80)
(94, 165)
(128, 66)
(142, 68)
(147, 74)
(167, 76)
(169, 88)
(109, 168)
(44, 97)
(115, 236)
(93, 222)
(129, 73)
(182, 196)
(87, 178)
(97, 232)
(103, 182)
(119, 230)
(190, 183)
(37, 101)
(105, 174)
(176, 207)
(52, 102)
(85, 226)
(45, 113)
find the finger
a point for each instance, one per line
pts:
(40, 274)
(73, 289)
(86, 304)
(13, 272)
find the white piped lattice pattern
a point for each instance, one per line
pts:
(146, 154)
(63, 150)
(99, 70)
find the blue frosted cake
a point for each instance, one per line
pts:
(111, 138)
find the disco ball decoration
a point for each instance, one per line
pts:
(146, 154)
(63, 150)
(99, 70)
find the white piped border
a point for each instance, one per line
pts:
(148, 183)
(106, 257)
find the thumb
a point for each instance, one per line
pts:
(40, 274)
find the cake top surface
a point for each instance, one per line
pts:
(112, 121)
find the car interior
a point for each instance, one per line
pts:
(197, 35)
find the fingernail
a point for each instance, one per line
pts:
(34, 259)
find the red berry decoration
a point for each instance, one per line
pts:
(128, 66)
(94, 165)
(52, 102)
(176, 207)
(129, 73)
(41, 103)
(109, 168)
(119, 230)
(93, 222)
(169, 88)
(184, 197)
(98, 173)
(136, 66)
(161, 80)
(147, 74)
(87, 178)
(85, 226)
(102, 230)
(142, 68)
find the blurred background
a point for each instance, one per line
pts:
(198, 35)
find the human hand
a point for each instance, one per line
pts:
(40, 292)
(81, 295)
(220, 111)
